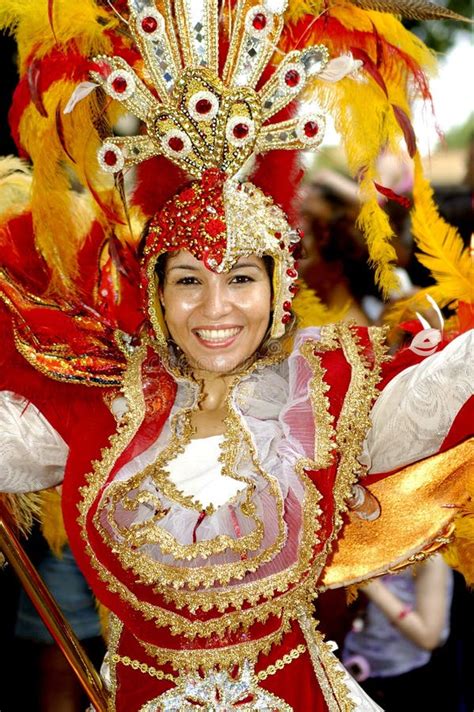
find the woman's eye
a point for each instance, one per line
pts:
(242, 279)
(187, 280)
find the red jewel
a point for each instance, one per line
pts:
(293, 288)
(286, 318)
(287, 306)
(119, 85)
(259, 22)
(282, 245)
(292, 78)
(176, 143)
(311, 128)
(110, 158)
(278, 235)
(149, 24)
(292, 273)
(203, 106)
(300, 233)
(241, 130)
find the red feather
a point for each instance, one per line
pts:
(370, 67)
(51, 18)
(34, 78)
(391, 195)
(279, 174)
(60, 132)
(157, 180)
(407, 128)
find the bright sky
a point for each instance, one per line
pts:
(453, 98)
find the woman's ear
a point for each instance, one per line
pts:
(161, 296)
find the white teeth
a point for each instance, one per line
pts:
(217, 334)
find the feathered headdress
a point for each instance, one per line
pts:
(231, 86)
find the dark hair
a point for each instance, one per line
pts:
(160, 267)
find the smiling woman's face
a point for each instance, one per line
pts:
(217, 320)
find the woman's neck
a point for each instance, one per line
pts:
(209, 418)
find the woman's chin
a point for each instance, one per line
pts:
(218, 363)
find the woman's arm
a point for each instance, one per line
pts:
(424, 624)
(32, 454)
(414, 413)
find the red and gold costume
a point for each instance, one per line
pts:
(211, 606)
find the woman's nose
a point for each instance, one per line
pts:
(216, 301)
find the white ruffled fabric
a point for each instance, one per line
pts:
(196, 472)
(32, 453)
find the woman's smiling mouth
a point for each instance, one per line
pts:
(217, 336)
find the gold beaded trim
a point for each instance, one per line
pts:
(160, 675)
(143, 667)
(281, 662)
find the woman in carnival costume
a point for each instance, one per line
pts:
(220, 468)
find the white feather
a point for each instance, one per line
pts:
(340, 67)
(80, 92)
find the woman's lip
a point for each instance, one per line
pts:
(220, 343)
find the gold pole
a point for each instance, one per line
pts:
(51, 614)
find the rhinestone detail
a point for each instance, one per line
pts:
(176, 143)
(120, 84)
(258, 22)
(111, 158)
(240, 130)
(150, 23)
(203, 106)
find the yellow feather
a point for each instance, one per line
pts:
(298, 8)
(375, 225)
(363, 135)
(72, 21)
(62, 216)
(442, 249)
(24, 509)
(51, 519)
(104, 614)
(310, 310)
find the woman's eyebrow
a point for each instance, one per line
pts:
(191, 268)
(245, 265)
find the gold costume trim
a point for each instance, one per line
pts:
(325, 665)
(272, 669)
(224, 657)
(290, 601)
(178, 576)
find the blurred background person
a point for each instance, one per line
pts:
(405, 617)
